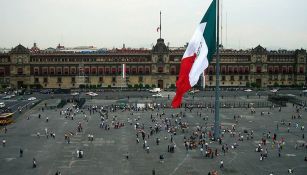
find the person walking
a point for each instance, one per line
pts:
(127, 155)
(221, 164)
(34, 163)
(153, 172)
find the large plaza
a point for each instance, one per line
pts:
(116, 151)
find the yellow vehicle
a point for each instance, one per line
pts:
(6, 118)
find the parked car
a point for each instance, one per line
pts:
(7, 97)
(31, 98)
(248, 90)
(157, 95)
(2, 104)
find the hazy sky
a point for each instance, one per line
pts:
(110, 23)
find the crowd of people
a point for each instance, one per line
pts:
(175, 129)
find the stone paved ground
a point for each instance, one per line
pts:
(106, 154)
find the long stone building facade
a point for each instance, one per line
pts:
(158, 67)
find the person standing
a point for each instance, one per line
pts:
(3, 142)
(20, 152)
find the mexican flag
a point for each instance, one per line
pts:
(199, 53)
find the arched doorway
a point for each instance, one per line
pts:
(160, 84)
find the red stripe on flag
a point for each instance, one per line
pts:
(183, 83)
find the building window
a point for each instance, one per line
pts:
(45, 80)
(66, 71)
(232, 78)
(101, 79)
(270, 69)
(100, 71)
(301, 70)
(140, 70)
(230, 69)
(36, 80)
(113, 79)
(20, 71)
(59, 71)
(107, 70)
(210, 78)
(223, 78)
(113, 70)
(59, 80)
(240, 70)
(289, 77)
(73, 79)
(223, 69)
(2, 72)
(258, 69)
(93, 71)
(73, 71)
(87, 71)
(87, 80)
(284, 69)
(160, 59)
(275, 77)
(147, 70)
(45, 71)
(240, 78)
(172, 70)
(36, 71)
(140, 79)
(134, 70)
(160, 69)
(270, 77)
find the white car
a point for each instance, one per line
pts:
(2, 105)
(155, 90)
(93, 94)
(248, 90)
(7, 97)
(157, 95)
(194, 91)
(31, 98)
(274, 90)
(75, 94)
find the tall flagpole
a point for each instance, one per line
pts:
(160, 25)
(217, 87)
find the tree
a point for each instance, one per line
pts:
(248, 84)
(253, 84)
(147, 86)
(172, 86)
(136, 86)
(141, 86)
(153, 85)
(81, 86)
